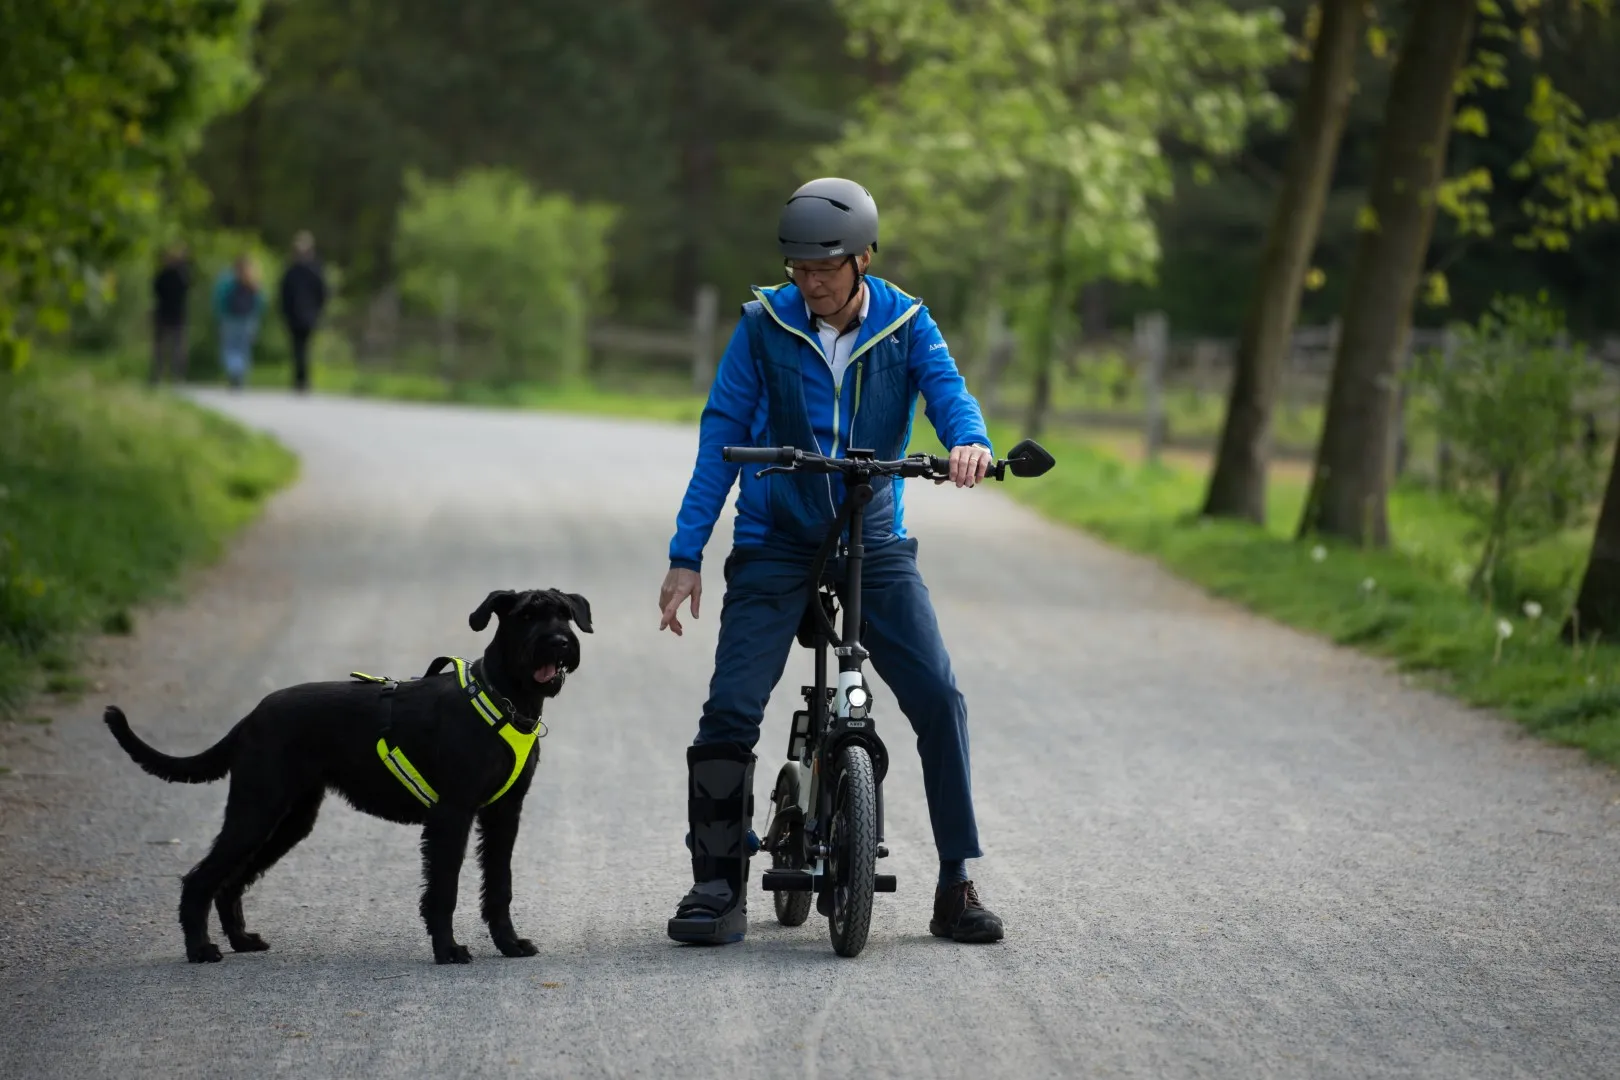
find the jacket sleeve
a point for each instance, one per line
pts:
(953, 411)
(727, 420)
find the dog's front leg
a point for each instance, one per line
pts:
(497, 833)
(444, 844)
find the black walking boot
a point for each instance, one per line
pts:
(719, 811)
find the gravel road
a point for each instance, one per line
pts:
(1221, 848)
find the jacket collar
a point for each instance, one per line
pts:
(885, 305)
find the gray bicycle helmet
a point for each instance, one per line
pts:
(826, 218)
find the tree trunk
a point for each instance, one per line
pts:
(1237, 487)
(699, 164)
(1597, 606)
(1057, 299)
(1350, 487)
(698, 158)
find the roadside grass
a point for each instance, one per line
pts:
(107, 491)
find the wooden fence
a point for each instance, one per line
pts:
(383, 337)
(1160, 366)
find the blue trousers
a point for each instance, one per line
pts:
(766, 592)
(236, 347)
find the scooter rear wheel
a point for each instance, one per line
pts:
(792, 908)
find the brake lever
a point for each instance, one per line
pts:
(777, 469)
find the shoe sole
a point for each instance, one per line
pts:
(979, 937)
(703, 932)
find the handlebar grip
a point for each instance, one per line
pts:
(759, 455)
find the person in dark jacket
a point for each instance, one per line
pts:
(303, 296)
(169, 288)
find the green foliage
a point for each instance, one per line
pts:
(691, 118)
(1571, 160)
(106, 491)
(526, 269)
(1209, 234)
(100, 102)
(1017, 118)
(1506, 398)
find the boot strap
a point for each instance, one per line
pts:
(700, 808)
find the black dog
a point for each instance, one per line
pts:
(437, 751)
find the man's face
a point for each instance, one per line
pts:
(826, 283)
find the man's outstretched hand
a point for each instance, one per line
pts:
(678, 585)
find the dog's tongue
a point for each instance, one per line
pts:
(545, 674)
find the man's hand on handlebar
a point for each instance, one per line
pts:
(968, 465)
(678, 585)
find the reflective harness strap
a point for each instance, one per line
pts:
(522, 743)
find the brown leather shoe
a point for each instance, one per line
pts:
(960, 916)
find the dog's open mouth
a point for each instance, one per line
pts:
(547, 673)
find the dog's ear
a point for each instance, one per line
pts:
(581, 608)
(498, 602)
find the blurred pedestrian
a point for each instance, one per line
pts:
(169, 288)
(239, 303)
(303, 296)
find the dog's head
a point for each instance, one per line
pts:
(535, 645)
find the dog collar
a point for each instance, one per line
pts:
(483, 701)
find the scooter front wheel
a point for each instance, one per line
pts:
(852, 840)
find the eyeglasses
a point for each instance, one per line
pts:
(797, 272)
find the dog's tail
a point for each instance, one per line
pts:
(211, 764)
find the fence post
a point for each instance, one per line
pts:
(704, 317)
(1152, 346)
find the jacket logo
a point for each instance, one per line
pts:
(894, 338)
(936, 345)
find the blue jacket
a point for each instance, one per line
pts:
(774, 387)
(222, 293)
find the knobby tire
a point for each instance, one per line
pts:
(855, 851)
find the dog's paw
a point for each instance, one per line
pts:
(517, 947)
(248, 943)
(206, 953)
(453, 954)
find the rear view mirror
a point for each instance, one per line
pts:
(1029, 458)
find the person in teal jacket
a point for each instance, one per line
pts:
(834, 359)
(239, 304)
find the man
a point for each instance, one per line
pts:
(169, 288)
(303, 295)
(831, 360)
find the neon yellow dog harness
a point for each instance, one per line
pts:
(522, 742)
